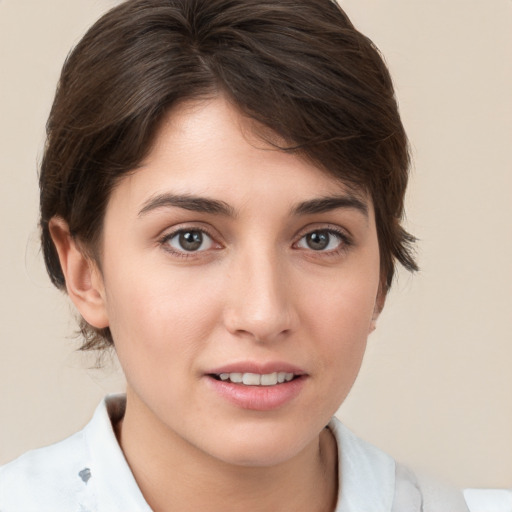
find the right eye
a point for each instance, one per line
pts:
(189, 240)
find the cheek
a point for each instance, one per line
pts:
(159, 329)
(339, 320)
(343, 307)
(160, 312)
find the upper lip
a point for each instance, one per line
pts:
(259, 368)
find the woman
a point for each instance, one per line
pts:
(221, 198)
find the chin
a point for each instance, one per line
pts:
(260, 449)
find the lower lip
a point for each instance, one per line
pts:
(258, 398)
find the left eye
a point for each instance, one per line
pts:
(321, 240)
(190, 240)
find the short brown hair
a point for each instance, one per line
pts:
(298, 67)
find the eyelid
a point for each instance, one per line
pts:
(333, 228)
(169, 234)
(346, 239)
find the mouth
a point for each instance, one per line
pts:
(257, 386)
(258, 389)
(256, 379)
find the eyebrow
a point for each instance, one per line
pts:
(216, 207)
(329, 203)
(188, 202)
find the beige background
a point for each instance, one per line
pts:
(436, 387)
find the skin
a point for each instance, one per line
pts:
(257, 290)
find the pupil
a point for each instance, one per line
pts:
(191, 240)
(318, 240)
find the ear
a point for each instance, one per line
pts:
(379, 306)
(84, 282)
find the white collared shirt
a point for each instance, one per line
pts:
(87, 472)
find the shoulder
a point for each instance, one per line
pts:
(424, 493)
(372, 481)
(47, 478)
(86, 472)
(59, 478)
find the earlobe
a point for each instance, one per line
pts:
(379, 306)
(84, 282)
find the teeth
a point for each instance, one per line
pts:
(269, 379)
(235, 377)
(255, 379)
(251, 379)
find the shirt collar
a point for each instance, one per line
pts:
(115, 486)
(366, 474)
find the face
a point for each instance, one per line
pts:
(240, 284)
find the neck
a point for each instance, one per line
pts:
(174, 475)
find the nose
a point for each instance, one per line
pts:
(260, 304)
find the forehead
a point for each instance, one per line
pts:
(208, 148)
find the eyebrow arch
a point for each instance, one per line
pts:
(187, 202)
(327, 204)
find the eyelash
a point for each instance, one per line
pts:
(164, 241)
(345, 241)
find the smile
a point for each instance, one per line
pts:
(256, 379)
(257, 387)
